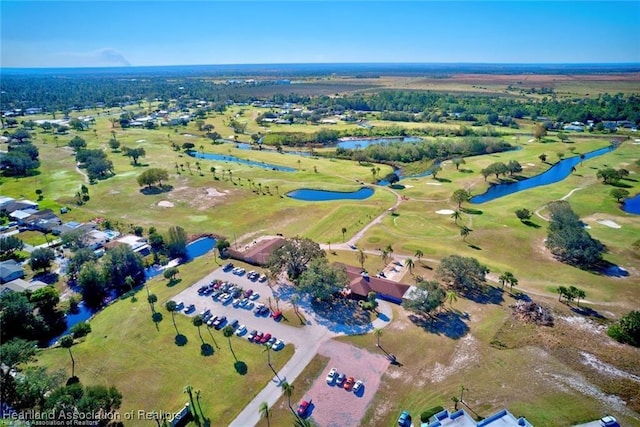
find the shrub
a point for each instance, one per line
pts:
(80, 329)
(424, 417)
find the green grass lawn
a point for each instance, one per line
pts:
(125, 349)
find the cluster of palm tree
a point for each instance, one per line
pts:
(507, 278)
(571, 293)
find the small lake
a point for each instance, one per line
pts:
(200, 247)
(556, 173)
(632, 205)
(311, 195)
(354, 144)
(224, 158)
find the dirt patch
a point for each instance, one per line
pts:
(198, 198)
(608, 223)
(165, 204)
(605, 368)
(466, 353)
(445, 212)
(335, 407)
(529, 311)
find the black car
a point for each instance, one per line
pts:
(219, 322)
(227, 267)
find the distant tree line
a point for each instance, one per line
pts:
(22, 158)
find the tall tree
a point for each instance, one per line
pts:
(197, 322)
(287, 389)
(265, 411)
(66, 342)
(419, 254)
(460, 196)
(425, 298)
(344, 230)
(410, 264)
(294, 256)
(42, 258)
(378, 333)
(361, 257)
(227, 331)
(461, 273)
(172, 307)
(321, 280)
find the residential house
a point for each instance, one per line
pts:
(136, 243)
(16, 205)
(10, 270)
(21, 285)
(73, 226)
(43, 221)
(360, 284)
(5, 201)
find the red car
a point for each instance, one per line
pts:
(266, 337)
(258, 337)
(348, 385)
(303, 407)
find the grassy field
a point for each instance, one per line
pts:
(126, 350)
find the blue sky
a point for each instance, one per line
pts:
(117, 33)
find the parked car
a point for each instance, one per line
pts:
(331, 376)
(266, 337)
(179, 305)
(249, 305)
(348, 385)
(404, 420)
(243, 302)
(258, 337)
(276, 315)
(236, 302)
(211, 320)
(263, 311)
(254, 296)
(248, 293)
(252, 335)
(206, 317)
(219, 323)
(190, 309)
(234, 323)
(609, 421)
(263, 278)
(242, 329)
(272, 341)
(303, 406)
(278, 345)
(359, 385)
(340, 379)
(228, 266)
(259, 307)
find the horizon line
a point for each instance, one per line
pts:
(627, 63)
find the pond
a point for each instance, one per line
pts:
(356, 143)
(556, 173)
(84, 313)
(632, 205)
(311, 195)
(200, 247)
(225, 158)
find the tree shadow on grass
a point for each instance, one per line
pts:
(241, 367)
(476, 247)
(156, 189)
(530, 223)
(485, 295)
(49, 278)
(448, 323)
(466, 170)
(206, 349)
(173, 282)
(442, 179)
(471, 211)
(342, 315)
(588, 312)
(181, 340)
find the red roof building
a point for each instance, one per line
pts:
(361, 284)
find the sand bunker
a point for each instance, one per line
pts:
(141, 140)
(434, 183)
(531, 140)
(608, 223)
(445, 211)
(212, 192)
(530, 164)
(165, 204)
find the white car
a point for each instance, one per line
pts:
(277, 345)
(236, 302)
(331, 375)
(254, 296)
(358, 386)
(242, 329)
(263, 278)
(249, 305)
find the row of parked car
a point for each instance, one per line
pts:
(239, 271)
(341, 380)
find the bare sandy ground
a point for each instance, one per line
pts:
(165, 204)
(445, 211)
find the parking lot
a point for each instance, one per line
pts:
(332, 405)
(244, 315)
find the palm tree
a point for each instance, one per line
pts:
(152, 299)
(378, 333)
(410, 264)
(513, 282)
(189, 390)
(212, 169)
(344, 230)
(197, 322)
(456, 216)
(172, 307)
(389, 248)
(277, 190)
(562, 291)
(264, 411)
(419, 254)
(505, 278)
(580, 294)
(373, 172)
(267, 348)
(287, 389)
(385, 256)
(228, 332)
(464, 232)
(361, 257)
(66, 342)
(130, 282)
(451, 297)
